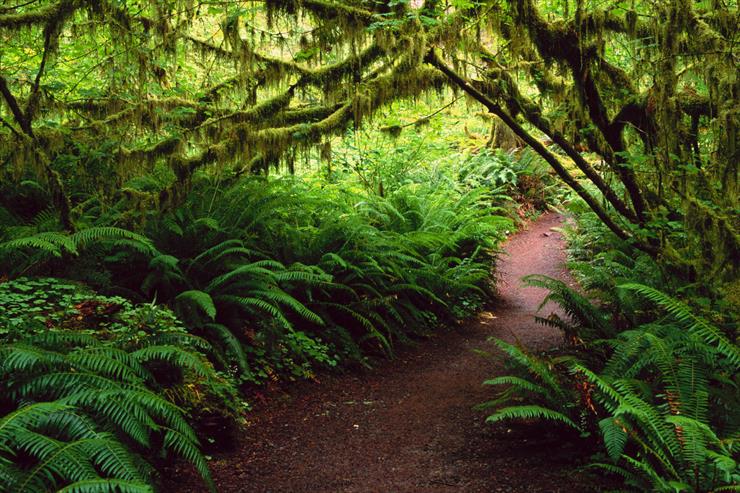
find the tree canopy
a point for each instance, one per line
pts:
(114, 90)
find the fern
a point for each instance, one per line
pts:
(231, 344)
(615, 436)
(80, 394)
(107, 486)
(694, 323)
(49, 243)
(587, 317)
(248, 305)
(77, 458)
(653, 384)
(247, 271)
(199, 300)
(278, 296)
(56, 244)
(530, 412)
(519, 383)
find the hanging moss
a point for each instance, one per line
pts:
(177, 85)
(37, 16)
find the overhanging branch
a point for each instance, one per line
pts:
(433, 58)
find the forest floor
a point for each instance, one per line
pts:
(408, 425)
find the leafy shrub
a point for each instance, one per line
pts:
(281, 276)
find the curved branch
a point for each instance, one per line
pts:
(41, 15)
(433, 58)
(564, 44)
(533, 114)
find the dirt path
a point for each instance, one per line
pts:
(408, 425)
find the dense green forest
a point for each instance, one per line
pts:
(200, 200)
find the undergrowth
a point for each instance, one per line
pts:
(94, 392)
(649, 367)
(141, 336)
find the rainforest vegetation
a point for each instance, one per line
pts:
(200, 199)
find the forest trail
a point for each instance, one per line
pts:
(409, 424)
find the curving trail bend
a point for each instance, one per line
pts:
(409, 425)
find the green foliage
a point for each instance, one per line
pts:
(85, 416)
(284, 274)
(25, 249)
(650, 398)
(642, 370)
(36, 305)
(585, 321)
(537, 391)
(95, 388)
(126, 136)
(692, 323)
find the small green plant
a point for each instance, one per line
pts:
(37, 305)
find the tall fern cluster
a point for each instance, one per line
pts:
(287, 274)
(78, 414)
(283, 275)
(653, 377)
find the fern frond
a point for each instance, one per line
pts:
(249, 304)
(107, 486)
(575, 305)
(178, 357)
(533, 365)
(696, 324)
(614, 433)
(248, 271)
(517, 382)
(279, 296)
(530, 412)
(232, 345)
(86, 237)
(200, 300)
(184, 447)
(53, 244)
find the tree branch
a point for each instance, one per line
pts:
(15, 109)
(35, 16)
(564, 43)
(433, 58)
(533, 114)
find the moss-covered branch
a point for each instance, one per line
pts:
(434, 59)
(521, 105)
(558, 42)
(38, 16)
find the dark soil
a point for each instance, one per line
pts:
(409, 425)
